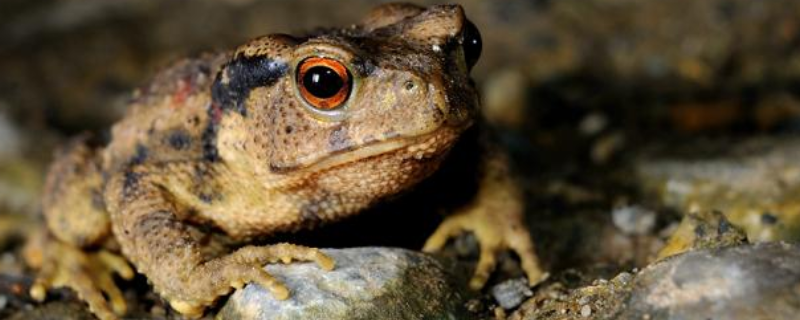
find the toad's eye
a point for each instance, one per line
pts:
(472, 44)
(324, 83)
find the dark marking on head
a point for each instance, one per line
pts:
(339, 139)
(209, 137)
(363, 67)
(244, 74)
(179, 140)
(140, 156)
(768, 218)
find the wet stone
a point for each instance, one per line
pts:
(755, 182)
(367, 283)
(757, 281)
(511, 293)
(744, 282)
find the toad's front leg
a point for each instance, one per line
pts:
(496, 218)
(146, 221)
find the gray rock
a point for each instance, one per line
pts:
(758, 281)
(368, 283)
(753, 181)
(633, 219)
(511, 293)
(746, 282)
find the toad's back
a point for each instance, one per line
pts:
(168, 120)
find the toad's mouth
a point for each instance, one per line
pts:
(419, 147)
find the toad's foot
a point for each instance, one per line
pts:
(495, 233)
(90, 274)
(216, 277)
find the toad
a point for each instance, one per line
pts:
(279, 135)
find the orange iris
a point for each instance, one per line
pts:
(324, 83)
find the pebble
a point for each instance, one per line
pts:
(511, 293)
(634, 219)
(586, 311)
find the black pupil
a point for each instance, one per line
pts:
(472, 44)
(322, 82)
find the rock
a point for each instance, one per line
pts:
(757, 281)
(511, 293)
(752, 281)
(368, 283)
(633, 219)
(586, 311)
(755, 182)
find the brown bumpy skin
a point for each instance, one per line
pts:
(225, 148)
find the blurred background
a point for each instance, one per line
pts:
(592, 96)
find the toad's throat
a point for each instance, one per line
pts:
(418, 147)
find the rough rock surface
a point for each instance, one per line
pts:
(511, 293)
(753, 281)
(759, 281)
(755, 182)
(368, 283)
